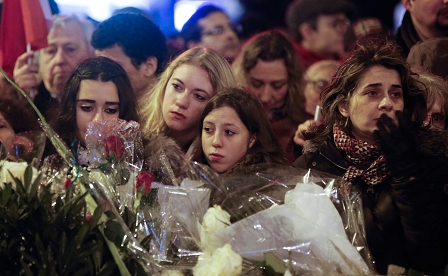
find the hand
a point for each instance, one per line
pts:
(25, 74)
(304, 127)
(398, 144)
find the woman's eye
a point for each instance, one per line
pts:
(86, 108)
(278, 86)
(229, 132)
(200, 97)
(371, 93)
(111, 110)
(256, 84)
(396, 94)
(438, 117)
(176, 86)
(207, 129)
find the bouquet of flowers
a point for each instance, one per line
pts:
(100, 201)
(306, 221)
(114, 148)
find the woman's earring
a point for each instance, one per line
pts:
(346, 122)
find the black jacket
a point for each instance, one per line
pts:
(406, 223)
(406, 35)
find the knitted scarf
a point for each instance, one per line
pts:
(365, 159)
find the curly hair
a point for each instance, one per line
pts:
(139, 37)
(367, 53)
(266, 148)
(19, 116)
(269, 46)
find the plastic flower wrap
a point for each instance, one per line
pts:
(174, 239)
(311, 229)
(115, 148)
(311, 222)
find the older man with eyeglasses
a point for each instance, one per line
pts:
(210, 27)
(68, 45)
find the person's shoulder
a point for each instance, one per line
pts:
(433, 142)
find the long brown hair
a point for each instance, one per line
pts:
(266, 148)
(269, 46)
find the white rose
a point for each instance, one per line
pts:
(222, 262)
(215, 219)
(17, 169)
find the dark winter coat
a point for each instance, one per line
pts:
(406, 223)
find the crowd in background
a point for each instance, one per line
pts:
(327, 88)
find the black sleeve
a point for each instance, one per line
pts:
(423, 206)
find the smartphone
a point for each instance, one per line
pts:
(318, 114)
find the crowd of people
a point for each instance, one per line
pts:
(370, 108)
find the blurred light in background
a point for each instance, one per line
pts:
(98, 9)
(183, 10)
(170, 15)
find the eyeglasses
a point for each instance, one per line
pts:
(437, 120)
(319, 85)
(219, 30)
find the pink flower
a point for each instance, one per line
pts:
(144, 178)
(114, 144)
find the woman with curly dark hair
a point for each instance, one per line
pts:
(373, 84)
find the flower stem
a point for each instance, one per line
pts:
(91, 204)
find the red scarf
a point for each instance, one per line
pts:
(365, 159)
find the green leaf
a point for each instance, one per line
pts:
(31, 260)
(26, 269)
(108, 269)
(35, 186)
(27, 177)
(20, 189)
(82, 233)
(40, 248)
(61, 249)
(277, 264)
(96, 216)
(6, 194)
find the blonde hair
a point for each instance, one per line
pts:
(218, 70)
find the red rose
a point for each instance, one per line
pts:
(114, 144)
(67, 182)
(144, 178)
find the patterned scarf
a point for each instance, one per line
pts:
(365, 159)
